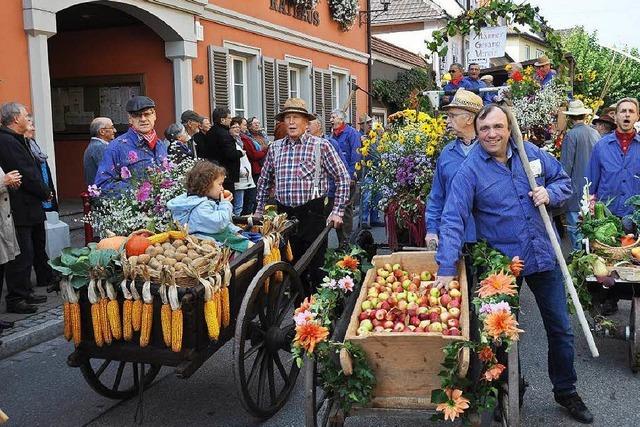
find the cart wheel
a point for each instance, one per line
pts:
(510, 401)
(264, 369)
(634, 336)
(116, 379)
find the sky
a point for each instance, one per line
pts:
(616, 21)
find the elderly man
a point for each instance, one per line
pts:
(298, 166)
(492, 189)
(192, 123)
(460, 119)
(102, 133)
(133, 152)
(365, 125)
(457, 81)
(576, 152)
(606, 122)
(26, 206)
(473, 82)
(348, 141)
(544, 73)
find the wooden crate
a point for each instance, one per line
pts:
(406, 364)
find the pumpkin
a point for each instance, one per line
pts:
(114, 242)
(136, 245)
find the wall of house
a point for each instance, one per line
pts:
(14, 71)
(516, 48)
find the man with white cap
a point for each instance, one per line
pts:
(577, 146)
(544, 73)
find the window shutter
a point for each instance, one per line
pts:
(218, 77)
(318, 99)
(354, 106)
(283, 83)
(269, 91)
(326, 89)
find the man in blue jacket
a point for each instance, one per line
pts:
(130, 154)
(492, 186)
(460, 118)
(473, 82)
(457, 81)
(348, 140)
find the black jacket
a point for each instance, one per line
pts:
(26, 201)
(219, 147)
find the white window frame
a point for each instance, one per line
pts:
(527, 52)
(305, 76)
(294, 82)
(253, 58)
(377, 111)
(539, 53)
(341, 77)
(232, 83)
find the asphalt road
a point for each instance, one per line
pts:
(38, 389)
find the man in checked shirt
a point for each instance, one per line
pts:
(298, 167)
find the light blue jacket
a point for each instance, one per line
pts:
(613, 174)
(204, 216)
(505, 216)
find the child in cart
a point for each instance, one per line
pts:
(207, 208)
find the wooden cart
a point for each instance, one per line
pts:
(406, 364)
(261, 325)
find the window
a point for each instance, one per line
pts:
(539, 53)
(379, 115)
(294, 83)
(527, 52)
(239, 86)
(335, 92)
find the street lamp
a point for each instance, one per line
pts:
(364, 14)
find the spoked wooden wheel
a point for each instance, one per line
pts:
(264, 369)
(117, 379)
(510, 401)
(634, 335)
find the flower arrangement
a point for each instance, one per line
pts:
(401, 162)
(594, 103)
(522, 84)
(143, 204)
(540, 109)
(344, 12)
(496, 305)
(314, 319)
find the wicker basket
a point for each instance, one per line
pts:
(614, 253)
(626, 271)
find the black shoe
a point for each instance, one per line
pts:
(365, 225)
(21, 307)
(577, 409)
(36, 299)
(6, 325)
(609, 307)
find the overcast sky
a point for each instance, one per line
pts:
(617, 21)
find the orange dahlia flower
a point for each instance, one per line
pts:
(306, 305)
(497, 284)
(455, 406)
(516, 266)
(501, 323)
(348, 263)
(486, 354)
(309, 334)
(494, 372)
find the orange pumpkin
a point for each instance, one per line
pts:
(627, 240)
(114, 242)
(136, 245)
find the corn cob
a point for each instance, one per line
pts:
(210, 311)
(147, 314)
(278, 276)
(226, 303)
(165, 316)
(288, 252)
(266, 259)
(66, 313)
(136, 309)
(177, 234)
(104, 316)
(74, 309)
(113, 311)
(159, 238)
(96, 313)
(127, 306)
(176, 319)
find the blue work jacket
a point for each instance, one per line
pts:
(613, 174)
(449, 163)
(451, 86)
(547, 79)
(120, 152)
(505, 216)
(349, 141)
(487, 97)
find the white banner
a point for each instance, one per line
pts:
(489, 43)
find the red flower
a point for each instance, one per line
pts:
(516, 76)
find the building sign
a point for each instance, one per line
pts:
(309, 15)
(487, 44)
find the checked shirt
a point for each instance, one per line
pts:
(290, 166)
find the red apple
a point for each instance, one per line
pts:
(445, 300)
(415, 321)
(455, 332)
(398, 273)
(390, 279)
(385, 305)
(415, 279)
(454, 303)
(413, 287)
(434, 317)
(378, 329)
(380, 314)
(412, 308)
(445, 331)
(376, 322)
(398, 327)
(363, 315)
(419, 329)
(453, 323)
(388, 324)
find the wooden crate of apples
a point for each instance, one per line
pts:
(402, 322)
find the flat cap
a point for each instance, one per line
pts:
(139, 103)
(191, 115)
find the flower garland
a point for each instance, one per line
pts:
(314, 319)
(344, 12)
(496, 304)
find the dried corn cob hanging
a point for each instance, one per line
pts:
(113, 311)
(266, 259)
(74, 310)
(288, 252)
(226, 304)
(147, 310)
(210, 310)
(136, 308)
(278, 276)
(104, 317)
(217, 296)
(176, 319)
(165, 315)
(127, 305)
(66, 310)
(96, 313)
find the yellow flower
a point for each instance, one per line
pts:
(377, 126)
(508, 67)
(401, 139)
(446, 77)
(417, 139)
(372, 134)
(369, 163)
(358, 166)
(430, 151)
(422, 116)
(579, 77)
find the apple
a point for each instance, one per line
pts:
(423, 301)
(363, 315)
(412, 308)
(390, 279)
(401, 295)
(397, 274)
(454, 284)
(419, 329)
(362, 331)
(436, 309)
(372, 292)
(435, 327)
(423, 310)
(411, 328)
(378, 329)
(398, 327)
(424, 324)
(384, 305)
(372, 314)
(454, 303)
(445, 331)
(415, 280)
(434, 317)
(412, 297)
(402, 304)
(366, 325)
(455, 332)
(415, 321)
(366, 305)
(434, 292)
(388, 324)
(382, 272)
(454, 312)
(381, 280)
(396, 267)
(425, 276)
(388, 268)
(455, 293)
(374, 302)
(444, 316)
(445, 300)
(434, 301)
(413, 287)
(380, 314)
(383, 295)
(376, 323)
(452, 322)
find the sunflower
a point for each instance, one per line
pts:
(348, 263)
(494, 372)
(516, 266)
(309, 334)
(500, 323)
(497, 284)
(455, 406)
(485, 354)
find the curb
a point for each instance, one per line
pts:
(27, 338)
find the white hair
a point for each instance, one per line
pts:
(341, 114)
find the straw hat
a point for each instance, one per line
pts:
(295, 105)
(465, 100)
(543, 60)
(577, 108)
(364, 118)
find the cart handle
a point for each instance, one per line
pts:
(306, 258)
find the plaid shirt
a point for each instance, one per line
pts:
(290, 165)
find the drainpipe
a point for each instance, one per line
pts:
(369, 61)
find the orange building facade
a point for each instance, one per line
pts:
(72, 60)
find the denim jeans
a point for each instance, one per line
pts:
(572, 228)
(368, 204)
(238, 201)
(548, 289)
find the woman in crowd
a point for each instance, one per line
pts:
(255, 143)
(245, 179)
(9, 247)
(180, 147)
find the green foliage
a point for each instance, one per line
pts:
(488, 260)
(579, 269)
(78, 265)
(597, 67)
(397, 94)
